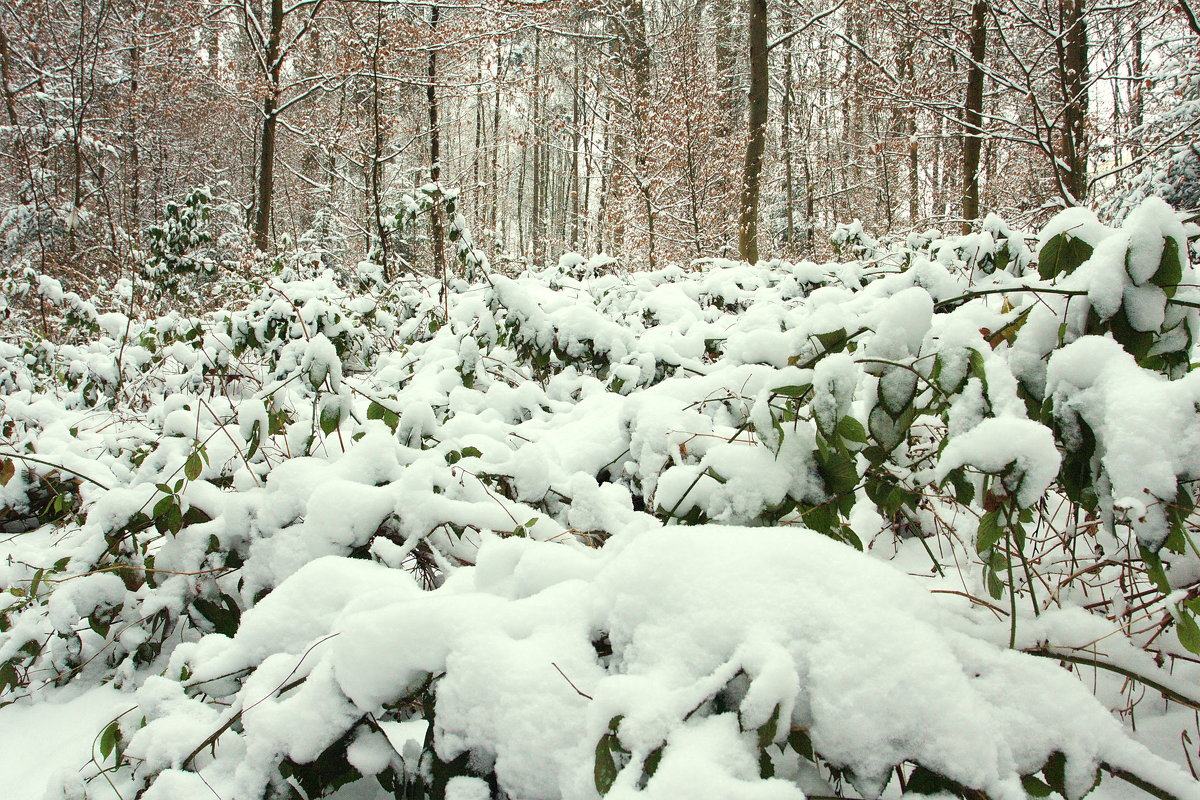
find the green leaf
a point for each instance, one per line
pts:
(822, 519)
(1063, 253)
(995, 586)
(793, 391)
(164, 505)
(1170, 268)
(927, 782)
(964, 490)
(885, 430)
(1154, 570)
(1075, 474)
(650, 766)
(838, 471)
(990, 531)
(195, 515)
(472, 452)
(174, 520)
(99, 626)
(193, 466)
(852, 430)
(382, 412)
(846, 535)
(1035, 786)
(255, 439)
(331, 417)
(832, 341)
(224, 617)
(1000, 263)
(606, 768)
(802, 744)
(977, 366)
(768, 730)
(879, 491)
(109, 738)
(1055, 772)
(766, 767)
(8, 677)
(1188, 631)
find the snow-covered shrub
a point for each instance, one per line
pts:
(588, 532)
(176, 245)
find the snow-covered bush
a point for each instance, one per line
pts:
(586, 532)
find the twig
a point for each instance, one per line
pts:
(59, 467)
(568, 680)
(1046, 652)
(1141, 783)
(281, 688)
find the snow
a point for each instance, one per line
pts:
(583, 506)
(41, 741)
(1079, 223)
(995, 444)
(683, 621)
(1145, 426)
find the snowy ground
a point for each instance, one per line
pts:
(732, 532)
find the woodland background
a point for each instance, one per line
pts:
(654, 130)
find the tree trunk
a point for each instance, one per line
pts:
(495, 190)
(785, 144)
(266, 168)
(726, 63)
(577, 111)
(1074, 67)
(437, 228)
(377, 141)
(973, 115)
(1137, 102)
(135, 165)
(535, 212)
(637, 56)
(748, 220)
